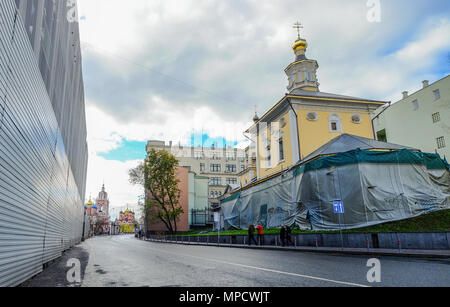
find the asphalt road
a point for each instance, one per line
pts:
(126, 261)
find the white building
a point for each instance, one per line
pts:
(221, 165)
(420, 120)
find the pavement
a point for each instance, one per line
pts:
(420, 253)
(124, 261)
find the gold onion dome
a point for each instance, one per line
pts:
(300, 44)
(89, 203)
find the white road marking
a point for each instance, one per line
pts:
(264, 269)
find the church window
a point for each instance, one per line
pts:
(281, 147)
(356, 119)
(312, 116)
(335, 123)
(415, 105)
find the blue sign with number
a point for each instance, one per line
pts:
(338, 206)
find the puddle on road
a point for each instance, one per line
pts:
(100, 271)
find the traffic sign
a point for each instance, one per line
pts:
(338, 206)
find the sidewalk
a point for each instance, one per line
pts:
(443, 254)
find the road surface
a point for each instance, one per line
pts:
(127, 261)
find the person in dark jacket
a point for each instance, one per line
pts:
(251, 235)
(283, 235)
(288, 236)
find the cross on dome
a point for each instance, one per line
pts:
(298, 26)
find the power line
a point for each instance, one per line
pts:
(101, 50)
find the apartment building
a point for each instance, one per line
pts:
(221, 165)
(419, 120)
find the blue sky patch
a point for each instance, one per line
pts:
(127, 151)
(204, 140)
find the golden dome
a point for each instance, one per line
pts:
(300, 44)
(89, 203)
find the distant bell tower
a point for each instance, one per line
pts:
(302, 72)
(103, 201)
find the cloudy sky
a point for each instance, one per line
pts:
(178, 69)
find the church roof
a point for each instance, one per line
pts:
(329, 96)
(348, 142)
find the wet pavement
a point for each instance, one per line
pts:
(122, 261)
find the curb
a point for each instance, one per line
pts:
(324, 250)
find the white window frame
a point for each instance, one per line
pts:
(335, 118)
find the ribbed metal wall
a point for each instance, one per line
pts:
(41, 200)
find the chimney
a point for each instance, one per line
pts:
(405, 94)
(425, 83)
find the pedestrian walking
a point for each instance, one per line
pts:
(288, 236)
(283, 235)
(251, 235)
(260, 230)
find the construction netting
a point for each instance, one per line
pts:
(372, 186)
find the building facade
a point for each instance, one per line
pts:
(102, 203)
(420, 120)
(43, 149)
(220, 165)
(302, 121)
(127, 221)
(155, 224)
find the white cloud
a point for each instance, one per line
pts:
(234, 54)
(115, 176)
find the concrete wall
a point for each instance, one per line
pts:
(440, 241)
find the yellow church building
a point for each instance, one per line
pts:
(302, 121)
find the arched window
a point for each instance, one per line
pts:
(335, 123)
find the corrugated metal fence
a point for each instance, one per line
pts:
(41, 212)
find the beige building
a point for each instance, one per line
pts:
(419, 120)
(221, 165)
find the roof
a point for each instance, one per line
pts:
(348, 142)
(329, 95)
(316, 95)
